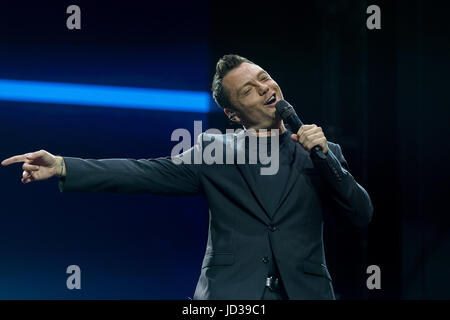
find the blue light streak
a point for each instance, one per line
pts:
(104, 96)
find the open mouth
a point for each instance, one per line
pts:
(271, 100)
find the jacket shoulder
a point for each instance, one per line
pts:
(218, 137)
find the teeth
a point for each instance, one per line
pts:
(272, 99)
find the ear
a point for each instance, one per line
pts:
(232, 115)
(228, 112)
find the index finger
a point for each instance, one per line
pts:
(18, 158)
(304, 128)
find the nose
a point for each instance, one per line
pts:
(263, 88)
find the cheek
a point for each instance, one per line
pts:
(251, 103)
(276, 87)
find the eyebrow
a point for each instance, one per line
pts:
(248, 82)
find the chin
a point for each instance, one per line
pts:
(273, 125)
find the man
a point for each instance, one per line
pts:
(265, 231)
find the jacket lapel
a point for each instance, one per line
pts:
(248, 177)
(298, 162)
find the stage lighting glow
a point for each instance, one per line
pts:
(104, 96)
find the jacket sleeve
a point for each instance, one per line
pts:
(177, 175)
(349, 196)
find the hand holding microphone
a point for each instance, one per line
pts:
(310, 136)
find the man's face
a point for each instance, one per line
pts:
(254, 94)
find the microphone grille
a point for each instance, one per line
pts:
(284, 109)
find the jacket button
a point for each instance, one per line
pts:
(265, 259)
(272, 228)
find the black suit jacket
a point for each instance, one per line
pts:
(241, 230)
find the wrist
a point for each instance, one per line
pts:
(60, 170)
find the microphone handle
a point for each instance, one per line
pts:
(318, 152)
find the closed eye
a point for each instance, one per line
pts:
(265, 76)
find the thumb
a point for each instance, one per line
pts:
(31, 156)
(294, 137)
(34, 155)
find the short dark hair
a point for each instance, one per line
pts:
(225, 64)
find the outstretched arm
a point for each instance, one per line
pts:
(159, 176)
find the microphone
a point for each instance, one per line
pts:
(289, 115)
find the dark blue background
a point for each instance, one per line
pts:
(127, 246)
